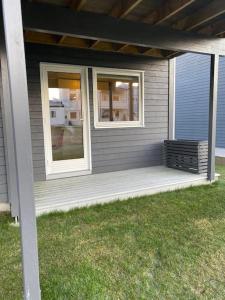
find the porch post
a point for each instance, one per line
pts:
(212, 115)
(13, 29)
(8, 128)
(171, 104)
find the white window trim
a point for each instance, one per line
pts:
(118, 124)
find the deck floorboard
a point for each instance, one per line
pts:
(67, 193)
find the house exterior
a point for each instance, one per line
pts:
(192, 98)
(111, 147)
(87, 88)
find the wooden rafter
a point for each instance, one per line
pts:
(221, 33)
(153, 52)
(77, 5)
(217, 28)
(122, 47)
(209, 12)
(90, 26)
(50, 39)
(167, 11)
(26, 34)
(120, 10)
(93, 44)
(172, 54)
(130, 49)
(61, 39)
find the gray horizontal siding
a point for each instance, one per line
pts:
(3, 178)
(112, 149)
(192, 98)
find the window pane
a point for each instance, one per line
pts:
(65, 104)
(118, 98)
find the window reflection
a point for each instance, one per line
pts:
(118, 98)
(65, 104)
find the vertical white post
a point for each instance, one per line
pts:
(214, 67)
(171, 105)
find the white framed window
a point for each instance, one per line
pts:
(53, 114)
(118, 98)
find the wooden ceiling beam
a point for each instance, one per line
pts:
(211, 11)
(216, 28)
(120, 10)
(61, 39)
(122, 47)
(130, 49)
(173, 54)
(26, 34)
(169, 9)
(77, 5)
(221, 33)
(93, 44)
(45, 18)
(153, 52)
(46, 39)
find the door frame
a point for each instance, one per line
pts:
(67, 169)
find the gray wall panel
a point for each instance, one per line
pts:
(120, 148)
(3, 177)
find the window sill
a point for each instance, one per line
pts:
(108, 125)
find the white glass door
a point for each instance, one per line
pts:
(66, 122)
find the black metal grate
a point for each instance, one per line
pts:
(187, 155)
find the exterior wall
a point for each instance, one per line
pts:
(3, 179)
(112, 149)
(192, 98)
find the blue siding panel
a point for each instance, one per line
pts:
(192, 98)
(220, 141)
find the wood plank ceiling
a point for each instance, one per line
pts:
(202, 16)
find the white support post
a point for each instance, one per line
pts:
(214, 67)
(171, 105)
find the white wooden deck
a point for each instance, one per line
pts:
(220, 152)
(67, 193)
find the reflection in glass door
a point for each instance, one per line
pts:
(66, 123)
(65, 103)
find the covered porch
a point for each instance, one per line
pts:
(115, 29)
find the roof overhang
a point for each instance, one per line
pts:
(59, 20)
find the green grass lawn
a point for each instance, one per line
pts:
(165, 246)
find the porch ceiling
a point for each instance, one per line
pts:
(203, 17)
